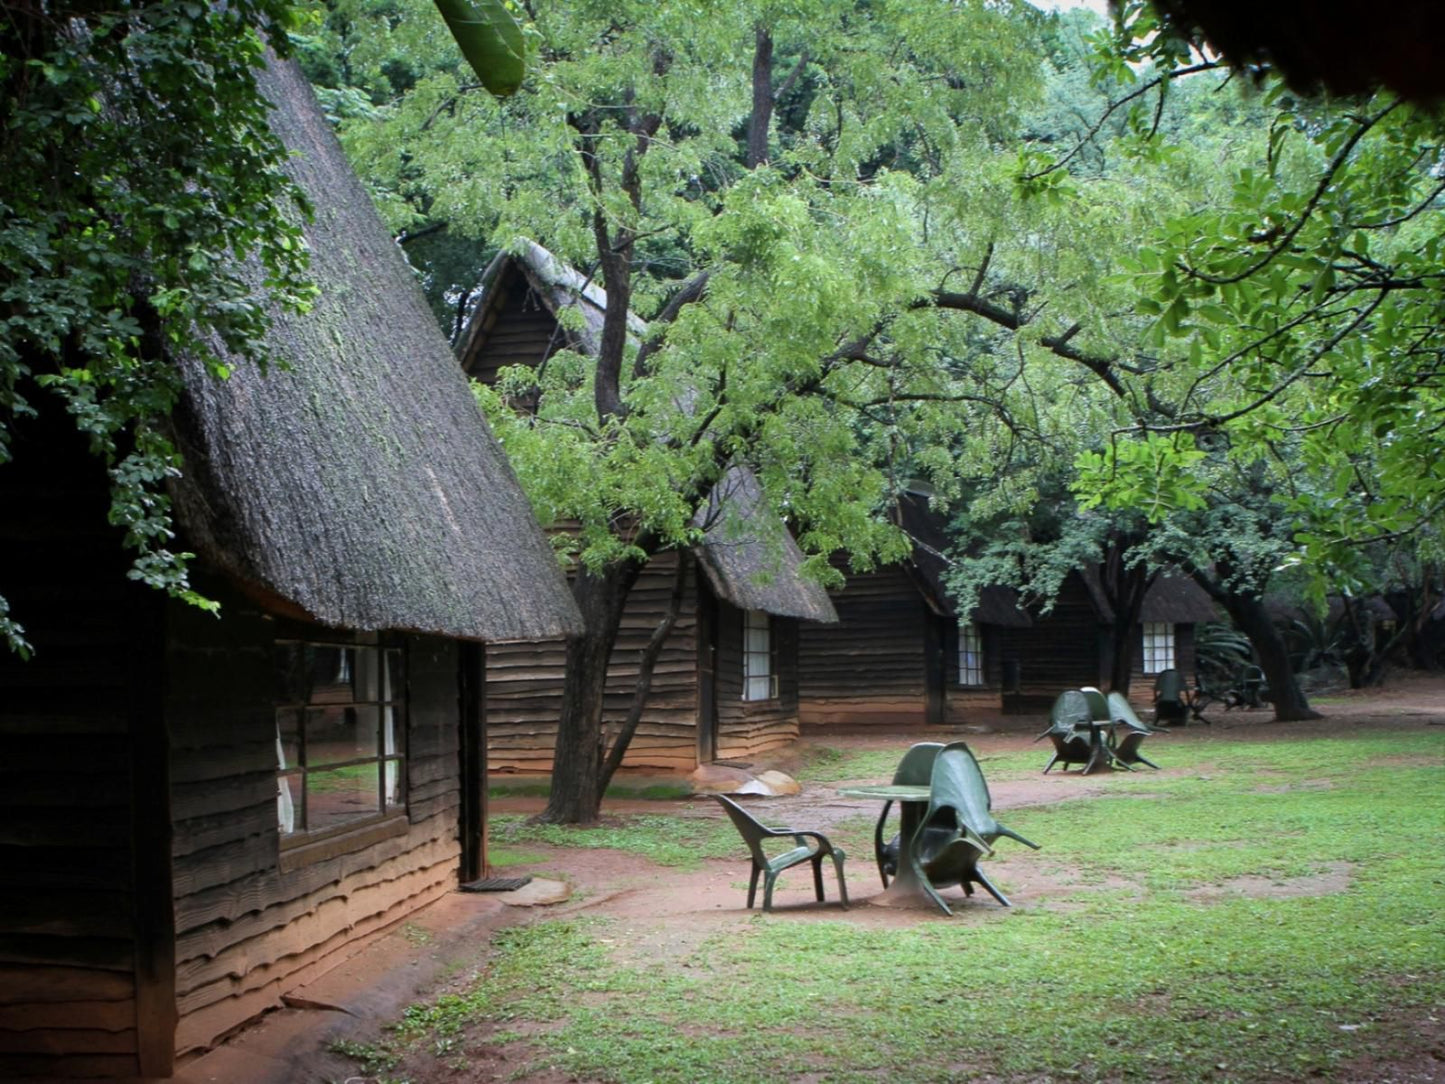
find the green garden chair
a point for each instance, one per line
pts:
(1129, 733)
(1077, 738)
(1171, 703)
(754, 833)
(958, 827)
(915, 769)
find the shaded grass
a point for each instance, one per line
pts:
(1146, 984)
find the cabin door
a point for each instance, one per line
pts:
(707, 619)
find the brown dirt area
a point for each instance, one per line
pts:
(663, 914)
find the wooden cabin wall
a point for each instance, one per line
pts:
(870, 666)
(524, 685)
(254, 920)
(962, 700)
(746, 728)
(519, 330)
(83, 963)
(1064, 649)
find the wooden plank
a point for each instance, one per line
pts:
(19, 983)
(99, 1065)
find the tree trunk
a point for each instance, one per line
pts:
(577, 784)
(1251, 618)
(1125, 589)
(762, 112)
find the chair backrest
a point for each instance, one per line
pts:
(958, 782)
(1098, 706)
(1121, 711)
(1070, 709)
(1169, 687)
(752, 831)
(916, 767)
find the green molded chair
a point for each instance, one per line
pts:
(958, 827)
(754, 833)
(1125, 746)
(1098, 705)
(1170, 698)
(1077, 738)
(915, 769)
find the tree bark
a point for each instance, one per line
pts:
(577, 784)
(762, 113)
(1251, 618)
(1125, 589)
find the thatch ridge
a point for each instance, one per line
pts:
(357, 478)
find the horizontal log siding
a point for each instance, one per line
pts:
(746, 728)
(67, 902)
(251, 926)
(870, 666)
(519, 331)
(1064, 649)
(524, 685)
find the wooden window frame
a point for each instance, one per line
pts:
(304, 844)
(769, 673)
(970, 644)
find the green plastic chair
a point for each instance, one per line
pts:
(754, 833)
(958, 828)
(1098, 705)
(1170, 703)
(1076, 736)
(915, 769)
(1125, 746)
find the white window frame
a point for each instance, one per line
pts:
(759, 680)
(970, 655)
(1158, 646)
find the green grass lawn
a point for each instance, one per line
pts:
(1146, 979)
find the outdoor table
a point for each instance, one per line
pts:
(912, 804)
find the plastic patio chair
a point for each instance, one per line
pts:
(1170, 703)
(915, 769)
(1098, 704)
(1077, 738)
(754, 833)
(1125, 746)
(958, 828)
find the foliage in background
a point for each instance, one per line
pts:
(112, 255)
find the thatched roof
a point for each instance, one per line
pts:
(1172, 598)
(357, 479)
(1341, 46)
(748, 555)
(997, 605)
(750, 558)
(559, 287)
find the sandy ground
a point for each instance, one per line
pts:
(665, 914)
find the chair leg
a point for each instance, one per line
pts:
(768, 881)
(818, 875)
(1014, 835)
(1145, 760)
(1046, 772)
(753, 889)
(842, 884)
(981, 878)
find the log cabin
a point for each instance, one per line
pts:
(1070, 646)
(726, 684)
(201, 813)
(899, 653)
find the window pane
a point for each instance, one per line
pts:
(338, 734)
(395, 783)
(758, 688)
(293, 683)
(391, 688)
(342, 794)
(288, 738)
(366, 683)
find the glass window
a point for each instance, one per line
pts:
(970, 655)
(338, 714)
(1158, 647)
(759, 681)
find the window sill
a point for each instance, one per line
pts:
(308, 849)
